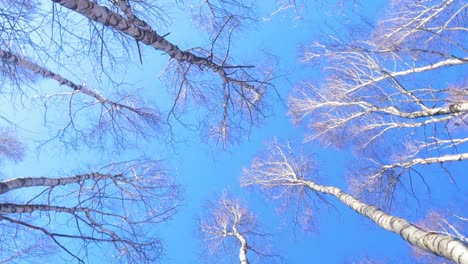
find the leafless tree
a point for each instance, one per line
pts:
(19, 249)
(229, 225)
(119, 118)
(118, 205)
(385, 86)
(14, 17)
(232, 94)
(10, 147)
(221, 16)
(84, 45)
(283, 174)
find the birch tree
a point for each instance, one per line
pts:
(231, 94)
(228, 226)
(86, 47)
(116, 207)
(402, 82)
(116, 118)
(280, 173)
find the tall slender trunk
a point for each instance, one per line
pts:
(243, 247)
(9, 185)
(120, 24)
(243, 242)
(15, 59)
(440, 64)
(441, 245)
(426, 161)
(445, 110)
(10, 208)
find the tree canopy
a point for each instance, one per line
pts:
(123, 122)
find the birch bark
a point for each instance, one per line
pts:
(441, 245)
(17, 183)
(243, 242)
(39, 70)
(283, 174)
(119, 23)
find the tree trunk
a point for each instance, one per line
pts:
(441, 245)
(243, 248)
(119, 23)
(9, 208)
(387, 75)
(427, 161)
(37, 69)
(9, 185)
(446, 110)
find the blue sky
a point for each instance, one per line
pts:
(205, 169)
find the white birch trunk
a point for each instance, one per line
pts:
(432, 67)
(446, 110)
(119, 23)
(12, 184)
(37, 69)
(9, 208)
(243, 247)
(441, 245)
(427, 161)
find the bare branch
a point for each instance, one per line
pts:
(385, 87)
(240, 89)
(116, 205)
(279, 171)
(229, 224)
(444, 223)
(116, 117)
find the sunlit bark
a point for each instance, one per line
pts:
(284, 174)
(386, 87)
(448, 223)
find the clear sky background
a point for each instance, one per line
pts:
(205, 169)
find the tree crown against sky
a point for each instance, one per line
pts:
(380, 88)
(78, 65)
(106, 36)
(228, 227)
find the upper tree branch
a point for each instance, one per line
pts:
(149, 37)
